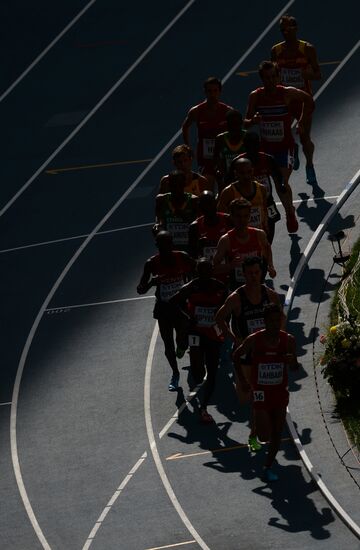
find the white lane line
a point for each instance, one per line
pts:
(3, 404)
(112, 501)
(310, 199)
(311, 247)
(154, 448)
(76, 306)
(65, 239)
(96, 108)
(172, 545)
(47, 49)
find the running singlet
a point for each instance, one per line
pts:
(171, 277)
(229, 151)
(209, 235)
(257, 205)
(194, 187)
(275, 124)
(251, 318)
(203, 306)
(239, 251)
(209, 126)
(262, 173)
(177, 223)
(291, 68)
(269, 377)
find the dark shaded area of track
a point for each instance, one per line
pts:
(80, 416)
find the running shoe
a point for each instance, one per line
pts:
(311, 176)
(174, 382)
(206, 418)
(296, 157)
(180, 352)
(254, 444)
(291, 222)
(270, 476)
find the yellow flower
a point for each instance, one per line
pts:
(345, 343)
(333, 329)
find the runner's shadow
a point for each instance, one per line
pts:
(290, 497)
(311, 215)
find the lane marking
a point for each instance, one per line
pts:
(46, 50)
(153, 446)
(3, 404)
(65, 239)
(109, 231)
(112, 501)
(255, 71)
(172, 545)
(76, 306)
(176, 456)
(55, 171)
(94, 110)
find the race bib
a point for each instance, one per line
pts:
(258, 396)
(194, 341)
(255, 217)
(272, 211)
(209, 252)
(292, 77)
(270, 374)
(208, 148)
(272, 131)
(179, 233)
(205, 316)
(168, 290)
(254, 325)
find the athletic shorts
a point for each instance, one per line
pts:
(270, 399)
(285, 158)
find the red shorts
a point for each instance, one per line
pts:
(266, 399)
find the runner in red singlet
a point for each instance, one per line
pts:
(269, 107)
(168, 271)
(205, 231)
(241, 242)
(298, 64)
(203, 297)
(271, 351)
(210, 118)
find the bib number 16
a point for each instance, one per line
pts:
(259, 396)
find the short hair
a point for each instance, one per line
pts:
(233, 113)
(267, 65)
(252, 260)
(182, 150)
(287, 18)
(271, 308)
(213, 80)
(237, 204)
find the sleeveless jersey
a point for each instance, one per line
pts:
(276, 119)
(256, 200)
(209, 235)
(262, 173)
(239, 251)
(229, 151)
(269, 376)
(202, 307)
(194, 187)
(251, 318)
(171, 277)
(291, 68)
(209, 126)
(177, 222)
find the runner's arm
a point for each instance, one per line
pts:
(188, 122)
(223, 315)
(275, 299)
(277, 176)
(245, 348)
(194, 240)
(164, 183)
(312, 71)
(145, 282)
(220, 255)
(267, 253)
(224, 200)
(264, 207)
(293, 94)
(251, 117)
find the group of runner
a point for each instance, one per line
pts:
(214, 230)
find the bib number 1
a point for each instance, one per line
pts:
(194, 341)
